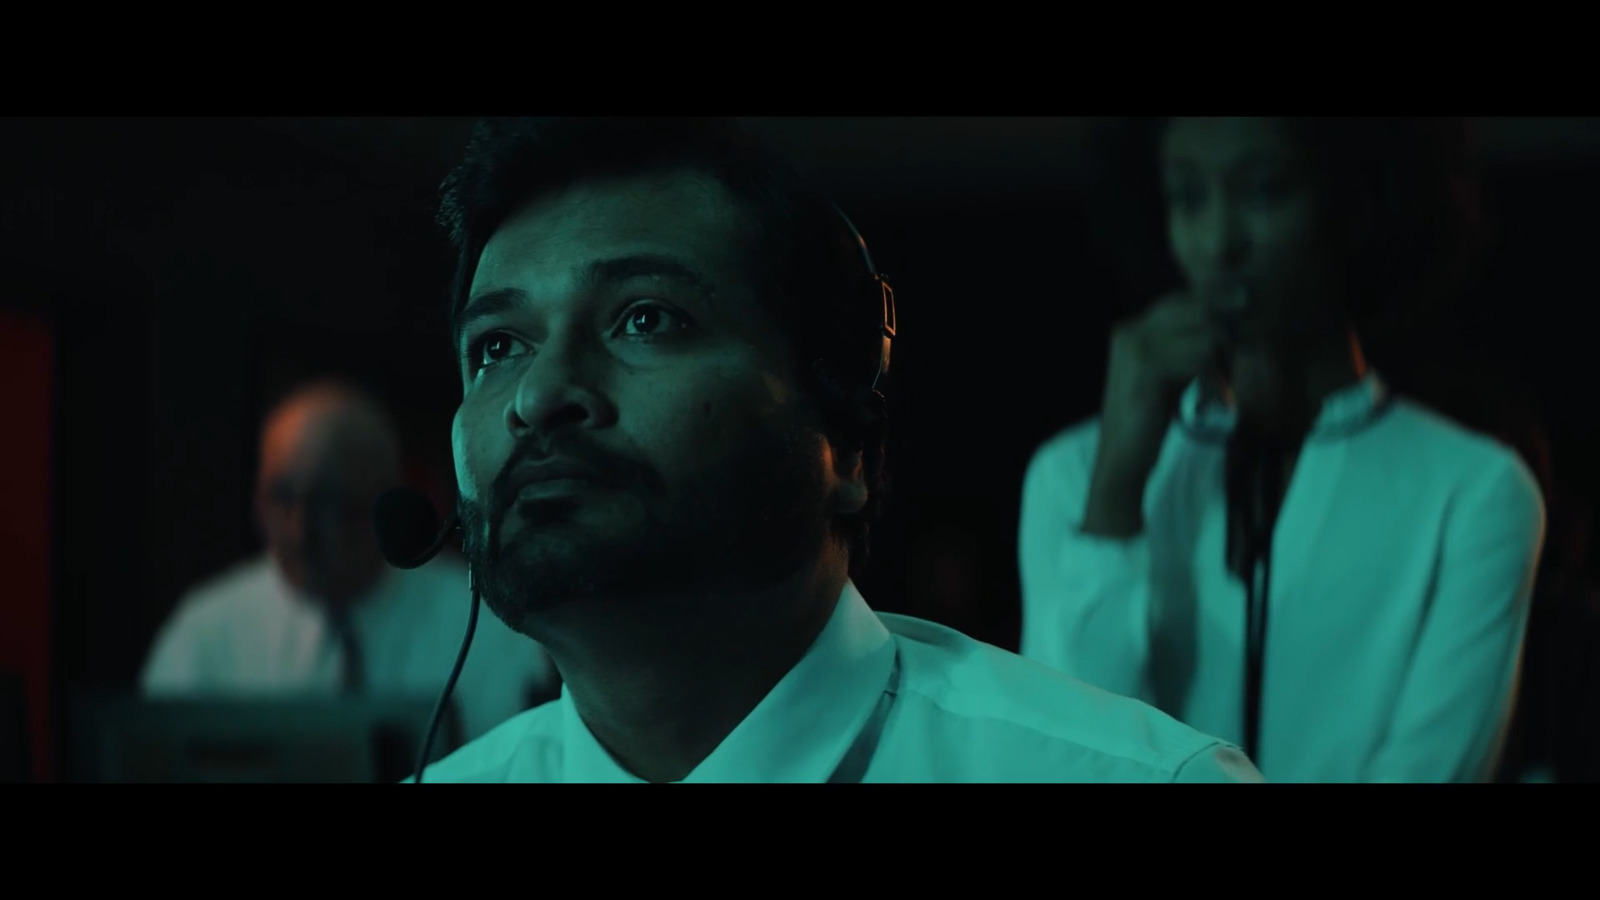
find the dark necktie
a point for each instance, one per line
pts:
(353, 680)
(1257, 478)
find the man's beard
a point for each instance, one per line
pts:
(753, 516)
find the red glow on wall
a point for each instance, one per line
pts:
(25, 406)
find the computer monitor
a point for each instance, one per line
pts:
(122, 739)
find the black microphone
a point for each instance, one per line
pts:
(408, 536)
(408, 528)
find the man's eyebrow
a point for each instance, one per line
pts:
(644, 265)
(487, 305)
(500, 301)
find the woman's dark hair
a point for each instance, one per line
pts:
(1404, 194)
(799, 253)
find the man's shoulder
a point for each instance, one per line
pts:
(240, 587)
(1045, 725)
(525, 748)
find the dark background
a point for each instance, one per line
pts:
(190, 271)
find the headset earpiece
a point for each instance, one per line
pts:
(877, 292)
(886, 331)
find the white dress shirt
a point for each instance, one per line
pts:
(1403, 560)
(247, 632)
(884, 698)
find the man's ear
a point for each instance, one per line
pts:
(854, 467)
(850, 489)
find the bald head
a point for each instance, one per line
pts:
(327, 452)
(330, 428)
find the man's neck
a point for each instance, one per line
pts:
(660, 682)
(345, 604)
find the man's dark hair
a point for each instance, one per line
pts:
(799, 254)
(1403, 192)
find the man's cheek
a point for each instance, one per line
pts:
(722, 414)
(471, 484)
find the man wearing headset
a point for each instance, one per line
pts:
(669, 449)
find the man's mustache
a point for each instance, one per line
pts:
(606, 467)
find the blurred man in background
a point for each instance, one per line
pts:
(320, 611)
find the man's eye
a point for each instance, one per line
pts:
(492, 348)
(650, 319)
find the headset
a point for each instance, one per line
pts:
(879, 293)
(407, 525)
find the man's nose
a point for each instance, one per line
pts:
(307, 532)
(560, 388)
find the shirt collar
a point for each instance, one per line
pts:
(1344, 411)
(798, 733)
